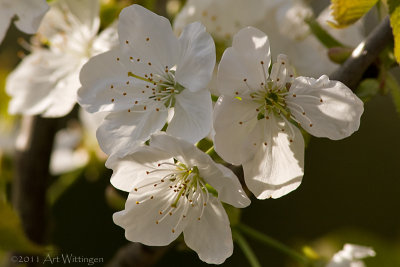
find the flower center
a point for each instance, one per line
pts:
(271, 99)
(164, 88)
(183, 185)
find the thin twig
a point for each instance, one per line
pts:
(352, 70)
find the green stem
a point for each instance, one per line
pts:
(210, 151)
(261, 237)
(248, 252)
(214, 155)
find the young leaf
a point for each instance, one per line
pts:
(346, 12)
(339, 54)
(394, 11)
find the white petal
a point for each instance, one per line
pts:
(277, 167)
(139, 220)
(234, 123)
(107, 39)
(232, 75)
(179, 149)
(222, 18)
(67, 160)
(226, 183)
(123, 132)
(133, 169)
(197, 57)
(336, 117)
(354, 252)
(253, 45)
(42, 81)
(66, 155)
(190, 12)
(64, 95)
(148, 34)
(104, 81)
(192, 116)
(210, 236)
(30, 14)
(349, 256)
(87, 13)
(246, 64)
(281, 72)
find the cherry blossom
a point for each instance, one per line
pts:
(46, 81)
(173, 188)
(257, 116)
(151, 72)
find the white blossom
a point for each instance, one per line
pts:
(29, 14)
(222, 18)
(151, 72)
(47, 80)
(256, 117)
(282, 20)
(169, 185)
(350, 256)
(67, 155)
(75, 144)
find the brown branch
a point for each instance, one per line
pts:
(352, 70)
(34, 146)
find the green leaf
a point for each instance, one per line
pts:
(322, 35)
(367, 89)
(394, 89)
(346, 12)
(394, 11)
(12, 236)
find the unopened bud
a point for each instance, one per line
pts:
(339, 54)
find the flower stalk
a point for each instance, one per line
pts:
(267, 240)
(247, 251)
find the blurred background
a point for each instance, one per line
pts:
(350, 191)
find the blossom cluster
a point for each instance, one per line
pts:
(154, 90)
(256, 122)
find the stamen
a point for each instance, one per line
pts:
(264, 71)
